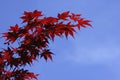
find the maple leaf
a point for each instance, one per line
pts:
(46, 54)
(31, 75)
(83, 23)
(10, 36)
(51, 20)
(37, 13)
(27, 16)
(75, 17)
(14, 28)
(63, 15)
(52, 35)
(66, 29)
(7, 55)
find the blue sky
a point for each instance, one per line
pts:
(94, 54)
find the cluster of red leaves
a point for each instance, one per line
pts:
(33, 39)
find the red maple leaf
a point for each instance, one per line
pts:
(46, 54)
(63, 15)
(37, 13)
(83, 23)
(75, 17)
(28, 16)
(14, 28)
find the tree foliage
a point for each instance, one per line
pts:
(33, 41)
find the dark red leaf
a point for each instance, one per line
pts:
(46, 54)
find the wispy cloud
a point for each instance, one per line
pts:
(96, 55)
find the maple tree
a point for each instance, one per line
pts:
(33, 41)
